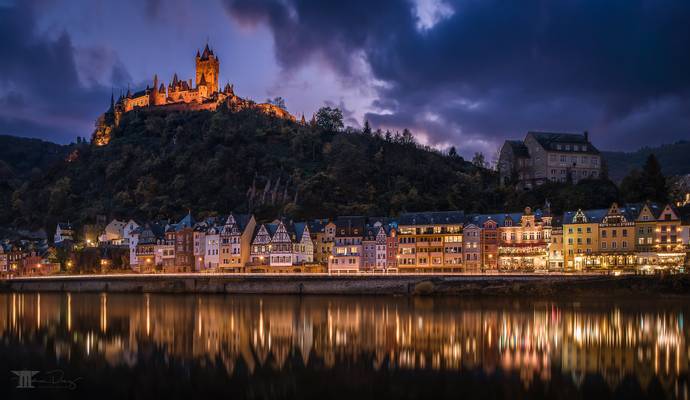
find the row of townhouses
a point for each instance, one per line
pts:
(27, 257)
(645, 237)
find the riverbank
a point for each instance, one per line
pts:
(448, 285)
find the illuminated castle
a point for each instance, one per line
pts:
(202, 94)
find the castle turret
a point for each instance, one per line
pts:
(207, 67)
(157, 95)
(229, 90)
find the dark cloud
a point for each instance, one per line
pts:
(488, 70)
(40, 88)
(152, 8)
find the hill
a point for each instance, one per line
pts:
(22, 159)
(161, 163)
(672, 157)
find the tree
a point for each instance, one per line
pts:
(277, 101)
(329, 119)
(478, 160)
(367, 129)
(452, 152)
(656, 181)
(649, 184)
(407, 138)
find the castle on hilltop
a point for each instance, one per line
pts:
(201, 94)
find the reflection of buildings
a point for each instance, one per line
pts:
(533, 341)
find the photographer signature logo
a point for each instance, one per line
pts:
(55, 379)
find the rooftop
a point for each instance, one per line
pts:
(554, 140)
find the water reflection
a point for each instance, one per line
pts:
(537, 342)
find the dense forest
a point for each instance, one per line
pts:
(159, 164)
(672, 157)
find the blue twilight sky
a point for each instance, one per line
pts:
(468, 73)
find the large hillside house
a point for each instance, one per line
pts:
(548, 157)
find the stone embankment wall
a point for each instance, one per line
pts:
(453, 285)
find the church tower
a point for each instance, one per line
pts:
(207, 67)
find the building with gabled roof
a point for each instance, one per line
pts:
(235, 242)
(548, 157)
(282, 240)
(149, 235)
(260, 252)
(303, 245)
(64, 233)
(184, 245)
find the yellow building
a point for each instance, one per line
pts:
(430, 242)
(616, 240)
(645, 233)
(581, 238)
(323, 236)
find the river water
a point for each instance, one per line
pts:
(215, 346)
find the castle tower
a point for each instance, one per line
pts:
(207, 67)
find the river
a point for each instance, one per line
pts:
(191, 346)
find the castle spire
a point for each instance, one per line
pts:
(207, 53)
(155, 82)
(112, 99)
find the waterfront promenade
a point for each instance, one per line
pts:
(551, 285)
